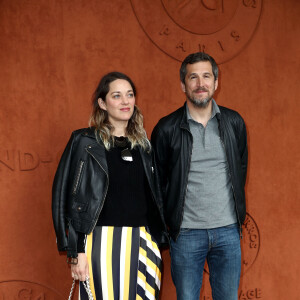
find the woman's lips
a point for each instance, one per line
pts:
(125, 109)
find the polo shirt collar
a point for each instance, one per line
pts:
(215, 110)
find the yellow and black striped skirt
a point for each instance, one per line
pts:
(124, 264)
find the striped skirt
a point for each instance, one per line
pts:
(124, 264)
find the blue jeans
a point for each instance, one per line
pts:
(221, 248)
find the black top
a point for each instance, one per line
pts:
(128, 201)
(128, 193)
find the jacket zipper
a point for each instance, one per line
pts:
(81, 164)
(230, 175)
(101, 206)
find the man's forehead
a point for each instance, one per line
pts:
(199, 67)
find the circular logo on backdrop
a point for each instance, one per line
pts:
(221, 28)
(250, 243)
(26, 290)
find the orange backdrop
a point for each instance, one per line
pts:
(52, 55)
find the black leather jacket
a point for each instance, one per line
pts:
(80, 187)
(172, 142)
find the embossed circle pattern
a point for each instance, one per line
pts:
(250, 243)
(200, 16)
(221, 28)
(26, 290)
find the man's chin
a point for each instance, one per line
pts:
(200, 103)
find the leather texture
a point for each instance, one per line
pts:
(80, 187)
(172, 142)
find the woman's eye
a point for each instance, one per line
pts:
(131, 95)
(116, 96)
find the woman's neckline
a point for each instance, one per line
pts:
(120, 141)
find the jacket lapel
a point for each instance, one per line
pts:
(97, 151)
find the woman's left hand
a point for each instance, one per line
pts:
(81, 270)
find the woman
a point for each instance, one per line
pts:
(107, 211)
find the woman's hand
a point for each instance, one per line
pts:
(81, 270)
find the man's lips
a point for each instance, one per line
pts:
(199, 91)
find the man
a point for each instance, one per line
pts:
(201, 152)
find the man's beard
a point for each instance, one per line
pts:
(200, 103)
(203, 103)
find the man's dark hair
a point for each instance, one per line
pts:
(197, 57)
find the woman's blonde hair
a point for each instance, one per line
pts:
(99, 119)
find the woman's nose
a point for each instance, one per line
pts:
(124, 100)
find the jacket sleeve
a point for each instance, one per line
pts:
(59, 196)
(157, 186)
(160, 148)
(243, 149)
(164, 241)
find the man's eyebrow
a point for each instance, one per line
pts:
(206, 72)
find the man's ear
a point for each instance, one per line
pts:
(182, 86)
(216, 83)
(102, 104)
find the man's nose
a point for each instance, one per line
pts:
(199, 82)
